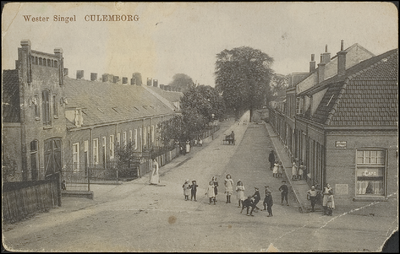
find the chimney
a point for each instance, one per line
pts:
(115, 79)
(312, 63)
(149, 81)
(133, 81)
(93, 76)
(155, 82)
(61, 71)
(321, 71)
(341, 61)
(79, 74)
(124, 80)
(65, 71)
(326, 57)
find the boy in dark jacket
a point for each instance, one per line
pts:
(268, 202)
(193, 190)
(284, 192)
(257, 198)
(247, 203)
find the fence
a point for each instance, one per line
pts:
(21, 199)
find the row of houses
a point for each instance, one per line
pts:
(53, 122)
(341, 120)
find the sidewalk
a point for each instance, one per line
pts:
(299, 188)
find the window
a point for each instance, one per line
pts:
(95, 151)
(86, 151)
(104, 148)
(46, 107)
(34, 160)
(118, 139)
(55, 107)
(370, 172)
(130, 136)
(152, 133)
(299, 106)
(37, 108)
(75, 156)
(144, 135)
(136, 140)
(111, 146)
(124, 138)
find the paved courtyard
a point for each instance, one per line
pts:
(135, 216)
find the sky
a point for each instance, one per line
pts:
(172, 38)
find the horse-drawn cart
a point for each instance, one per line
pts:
(229, 139)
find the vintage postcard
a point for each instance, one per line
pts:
(199, 127)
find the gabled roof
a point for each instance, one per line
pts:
(365, 95)
(10, 96)
(103, 102)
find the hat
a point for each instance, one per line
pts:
(266, 186)
(193, 181)
(256, 188)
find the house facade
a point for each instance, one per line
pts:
(33, 115)
(348, 131)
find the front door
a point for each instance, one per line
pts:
(52, 156)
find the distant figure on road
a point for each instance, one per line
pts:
(186, 189)
(325, 193)
(64, 185)
(247, 203)
(240, 192)
(268, 202)
(294, 171)
(284, 192)
(228, 188)
(210, 192)
(154, 176)
(232, 140)
(214, 180)
(187, 146)
(193, 188)
(312, 195)
(200, 142)
(271, 159)
(275, 170)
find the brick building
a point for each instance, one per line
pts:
(33, 115)
(347, 130)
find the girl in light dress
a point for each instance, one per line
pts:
(294, 171)
(210, 192)
(186, 189)
(240, 192)
(275, 169)
(280, 169)
(228, 188)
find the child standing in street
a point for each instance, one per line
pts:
(210, 192)
(193, 189)
(186, 189)
(268, 202)
(240, 192)
(280, 169)
(284, 192)
(215, 182)
(330, 204)
(275, 170)
(294, 171)
(228, 187)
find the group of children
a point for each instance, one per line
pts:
(277, 169)
(298, 172)
(190, 189)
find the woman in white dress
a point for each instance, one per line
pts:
(154, 176)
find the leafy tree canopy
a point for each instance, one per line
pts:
(181, 81)
(242, 76)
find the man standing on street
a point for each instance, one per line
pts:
(268, 202)
(284, 192)
(312, 194)
(271, 159)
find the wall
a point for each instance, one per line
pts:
(11, 147)
(341, 162)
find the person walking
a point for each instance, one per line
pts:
(327, 189)
(210, 192)
(186, 189)
(154, 176)
(284, 192)
(271, 159)
(312, 196)
(268, 202)
(193, 188)
(294, 171)
(228, 188)
(232, 138)
(240, 192)
(215, 182)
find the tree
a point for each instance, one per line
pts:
(181, 81)
(242, 76)
(278, 83)
(138, 77)
(126, 160)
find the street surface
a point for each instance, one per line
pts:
(136, 216)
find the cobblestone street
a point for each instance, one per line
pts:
(136, 216)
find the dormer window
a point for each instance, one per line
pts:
(78, 120)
